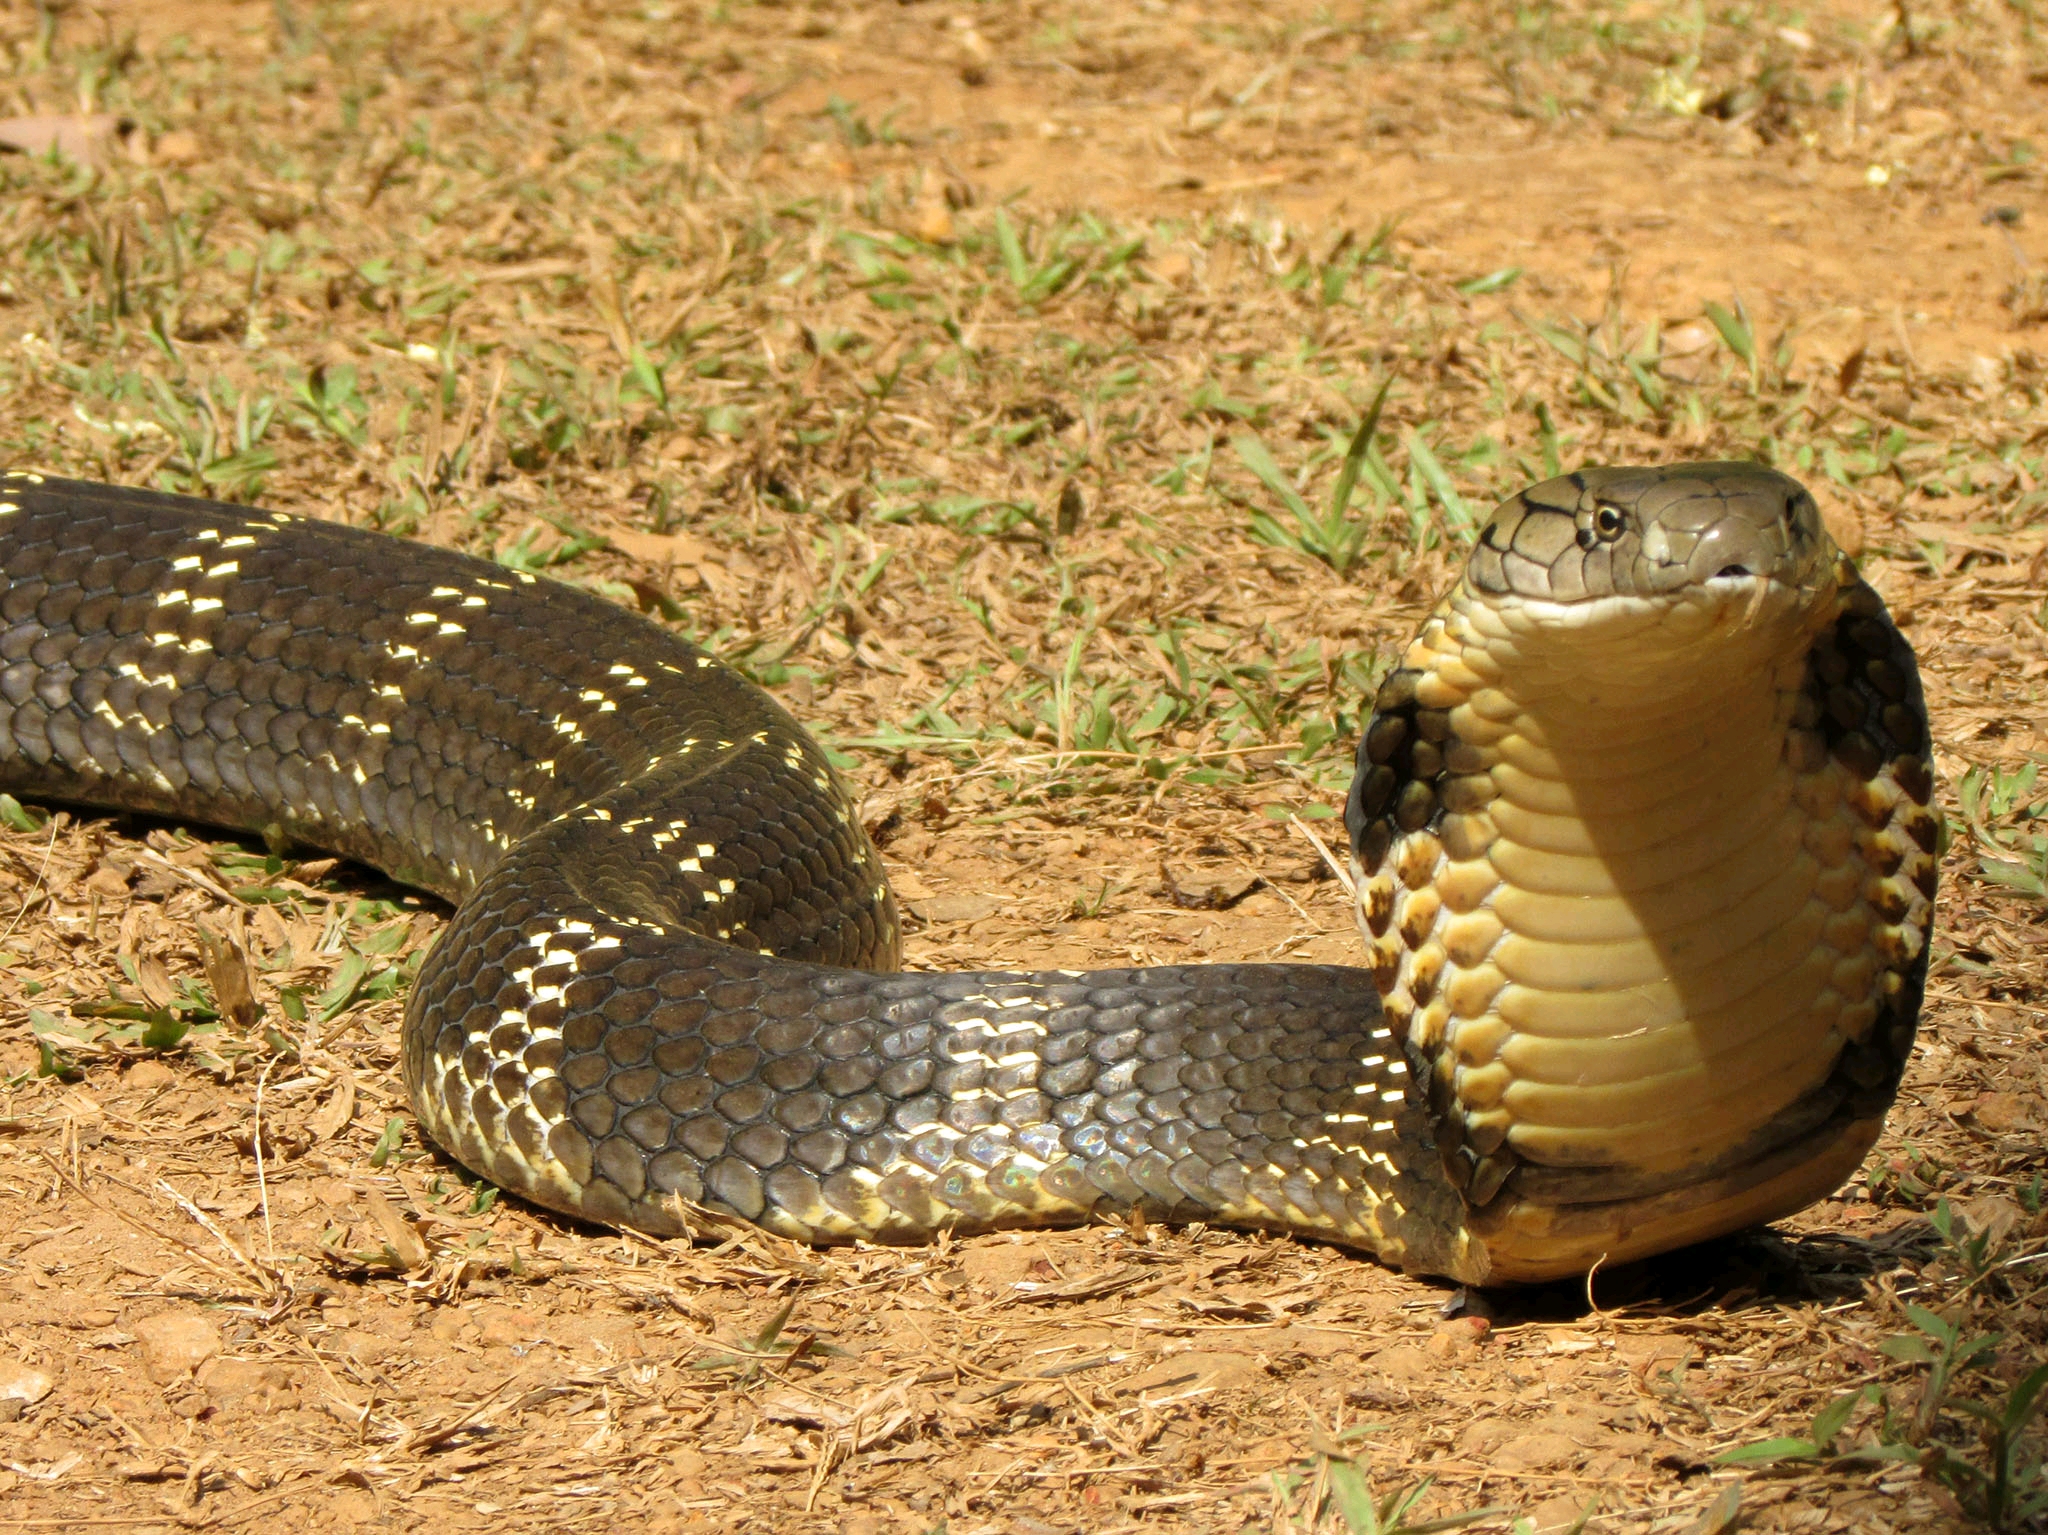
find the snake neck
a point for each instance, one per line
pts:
(1647, 903)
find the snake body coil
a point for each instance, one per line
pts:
(1640, 826)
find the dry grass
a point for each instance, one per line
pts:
(943, 367)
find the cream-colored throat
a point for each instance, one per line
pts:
(1613, 945)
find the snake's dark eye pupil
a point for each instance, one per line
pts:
(1608, 522)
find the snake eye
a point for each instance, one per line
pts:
(1608, 522)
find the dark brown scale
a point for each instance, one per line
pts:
(1372, 845)
(1925, 830)
(1847, 708)
(1414, 806)
(1385, 736)
(1913, 775)
(1489, 1176)
(1375, 789)
(1397, 693)
(1859, 754)
(1458, 1164)
(1904, 727)
(1883, 675)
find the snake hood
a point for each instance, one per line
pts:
(1646, 864)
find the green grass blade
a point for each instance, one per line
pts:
(1252, 454)
(1352, 1494)
(1456, 512)
(1768, 1450)
(1354, 459)
(1015, 264)
(1735, 330)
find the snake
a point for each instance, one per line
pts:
(1640, 837)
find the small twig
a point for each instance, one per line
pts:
(262, 1183)
(35, 889)
(1337, 870)
(149, 1228)
(263, 1276)
(420, 1441)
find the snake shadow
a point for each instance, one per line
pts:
(1758, 1268)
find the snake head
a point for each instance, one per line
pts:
(1704, 530)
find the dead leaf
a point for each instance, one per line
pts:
(1991, 1216)
(1198, 1370)
(405, 1243)
(1535, 1452)
(233, 982)
(805, 1411)
(659, 549)
(175, 1343)
(333, 1116)
(1720, 1514)
(177, 148)
(877, 1417)
(154, 982)
(525, 271)
(1085, 1287)
(963, 906)
(1845, 525)
(2002, 1112)
(20, 1389)
(908, 886)
(932, 222)
(1207, 890)
(84, 139)
(110, 879)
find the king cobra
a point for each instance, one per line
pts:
(1640, 835)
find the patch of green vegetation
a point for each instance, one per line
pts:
(1984, 1446)
(1332, 1490)
(2005, 814)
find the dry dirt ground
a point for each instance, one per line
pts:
(943, 364)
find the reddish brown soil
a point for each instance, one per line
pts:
(225, 1302)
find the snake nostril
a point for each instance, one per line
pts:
(1734, 570)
